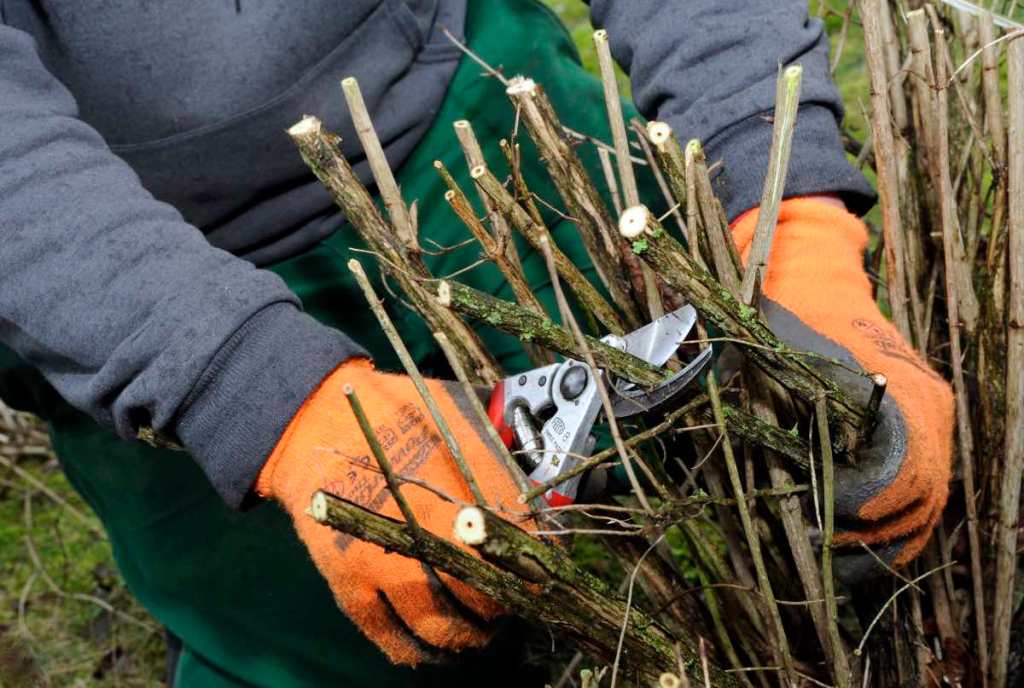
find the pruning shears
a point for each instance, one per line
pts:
(548, 413)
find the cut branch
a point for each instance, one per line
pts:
(320, 151)
(382, 460)
(389, 191)
(561, 594)
(1010, 480)
(530, 327)
(577, 191)
(885, 163)
(716, 225)
(630, 195)
(787, 101)
(521, 219)
(417, 379)
(494, 251)
(735, 320)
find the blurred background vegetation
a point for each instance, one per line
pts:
(64, 610)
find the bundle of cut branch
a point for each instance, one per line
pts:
(724, 569)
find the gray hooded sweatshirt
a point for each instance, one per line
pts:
(145, 177)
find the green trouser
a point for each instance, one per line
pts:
(239, 589)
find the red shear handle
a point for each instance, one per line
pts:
(553, 497)
(496, 412)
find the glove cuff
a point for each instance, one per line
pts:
(353, 371)
(834, 225)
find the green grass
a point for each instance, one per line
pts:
(64, 611)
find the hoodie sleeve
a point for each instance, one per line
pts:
(125, 308)
(709, 67)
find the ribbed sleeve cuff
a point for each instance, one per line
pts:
(245, 398)
(817, 163)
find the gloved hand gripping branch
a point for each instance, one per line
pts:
(819, 300)
(411, 612)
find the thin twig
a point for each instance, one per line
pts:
(627, 180)
(987, 46)
(521, 191)
(1010, 478)
(414, 374)
(867, 632)
(629, 604)
(382, 460)
(599, 458)
(386, 184)
(885, 163)
(842, 670)
(584, 347)
(787, 101)
(609, 177)
(473, 56)
(956, 285)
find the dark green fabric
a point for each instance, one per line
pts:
(238, 588)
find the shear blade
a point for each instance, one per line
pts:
(636, 400)
(656, 342)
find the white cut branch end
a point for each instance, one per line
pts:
(520, 85)
(318, 508)
(693, 149)
(669, 680)
(658, 133)
(634, 221)
(470, 526)
(305, 126)
(356, 267)
(444, 294)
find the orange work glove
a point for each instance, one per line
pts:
(411, 612)
(819, 300)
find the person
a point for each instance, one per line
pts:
(169, 267)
